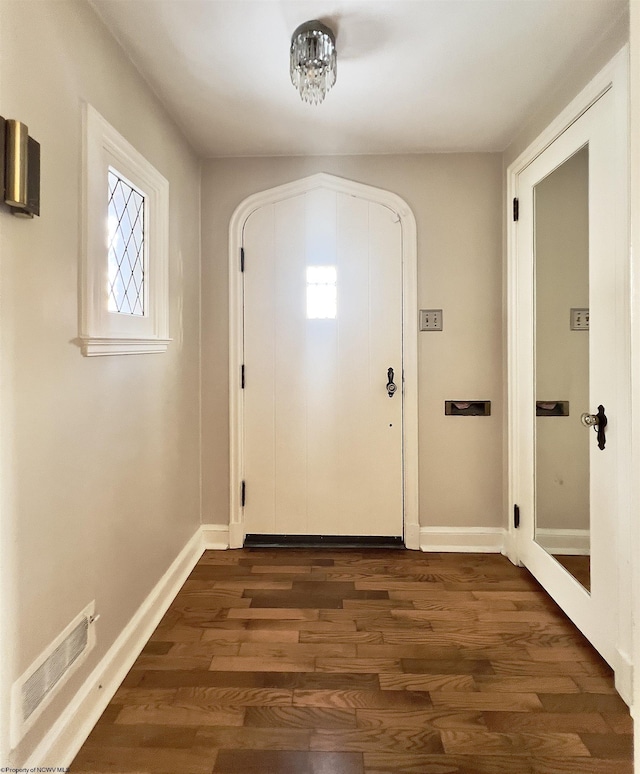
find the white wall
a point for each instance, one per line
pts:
(100, 456)
(573, 80)
(456, 200)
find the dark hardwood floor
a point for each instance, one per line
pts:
(301, 661)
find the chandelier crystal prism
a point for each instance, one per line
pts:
(313, 63)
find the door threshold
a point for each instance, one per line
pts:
(322, 541)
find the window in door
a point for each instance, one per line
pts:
(322, 293)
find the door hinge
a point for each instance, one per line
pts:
(243, 494)
(242, 377)
(516, 209)
(516, 516)
(242, 259)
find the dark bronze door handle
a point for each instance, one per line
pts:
(598, 422)
(391, 387)
(600, 426)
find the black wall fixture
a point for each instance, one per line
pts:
(19, 168)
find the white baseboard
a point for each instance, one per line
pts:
(236, 535)
(509, 548)
(73, 726)
(215, 536)
(574, 542)
(624, 677)
(412, 536)
(486, 540)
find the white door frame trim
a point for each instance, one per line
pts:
(409, 339)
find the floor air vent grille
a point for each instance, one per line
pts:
(45, 678)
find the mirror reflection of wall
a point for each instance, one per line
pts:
(562, 365)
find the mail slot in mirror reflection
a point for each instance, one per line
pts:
(552, 408)
(467, 408)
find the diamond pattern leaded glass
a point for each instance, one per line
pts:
(126, 247)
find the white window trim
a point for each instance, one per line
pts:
(111, 333)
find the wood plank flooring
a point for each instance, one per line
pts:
(301, 661)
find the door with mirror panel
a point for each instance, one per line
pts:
(565, 314)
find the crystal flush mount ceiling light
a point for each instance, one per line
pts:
(313, 61)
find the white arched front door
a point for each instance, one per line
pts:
(321, 396)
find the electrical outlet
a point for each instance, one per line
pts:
(579, 319)
(431, 319)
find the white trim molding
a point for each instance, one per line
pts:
(99, 346)
(105, 332)
(73, 726)
(634, 91)
(624, 677)
(409, 338)
(481, 540)
(215, 537)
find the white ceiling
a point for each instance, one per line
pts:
(413, 75)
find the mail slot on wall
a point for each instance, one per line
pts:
(552, 408)
(467, 408)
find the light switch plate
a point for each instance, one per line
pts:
(431, 319)
(579, 319)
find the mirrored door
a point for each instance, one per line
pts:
(565, 311)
